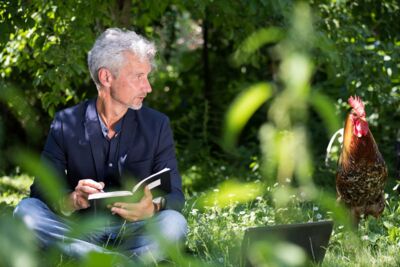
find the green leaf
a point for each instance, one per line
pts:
(242, 109)
(48, 180)
(254, 42)
(103, 259)
(325, 108)
(231, 192)
(17, 243)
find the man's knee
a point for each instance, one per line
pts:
(172, 225)
(28, 206)
(29, 210)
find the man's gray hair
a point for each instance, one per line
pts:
(109, 48)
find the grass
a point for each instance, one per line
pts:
(12, 190)
(215, 232)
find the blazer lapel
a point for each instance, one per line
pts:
(94, 135)
(128, 133)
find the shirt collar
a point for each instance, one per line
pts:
(104, 128)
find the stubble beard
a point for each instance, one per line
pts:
(136, 107)
(129, 106)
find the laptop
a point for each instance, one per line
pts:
(311, 237)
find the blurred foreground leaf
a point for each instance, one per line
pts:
(242, 109)
(255, 41)
(276, 253)
(339, 212)
(231, 192)
(95, 259)
(17, 245)
(50, 185)
(325, 108)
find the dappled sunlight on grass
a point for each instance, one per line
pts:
(13, 189)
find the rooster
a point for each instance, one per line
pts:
(361, 173)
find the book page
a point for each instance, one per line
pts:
(109, 194)
(151, 185)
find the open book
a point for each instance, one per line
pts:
(159, 183)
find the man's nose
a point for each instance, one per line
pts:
(147, 86)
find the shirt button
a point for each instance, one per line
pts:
(110, 164)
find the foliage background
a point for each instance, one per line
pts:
(44, 46)
(354, 49)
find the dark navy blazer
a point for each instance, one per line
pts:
(146, 146)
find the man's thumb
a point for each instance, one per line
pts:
(102, 185)
(147, 192)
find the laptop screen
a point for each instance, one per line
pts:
(308, 240)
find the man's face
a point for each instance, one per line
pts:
(131, 85)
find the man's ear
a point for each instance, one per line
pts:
(105, 77)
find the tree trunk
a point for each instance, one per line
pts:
(206, 70)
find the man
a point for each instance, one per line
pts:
(93, 144)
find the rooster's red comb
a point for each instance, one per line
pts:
(358, 106)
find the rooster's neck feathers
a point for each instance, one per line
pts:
(355, 148)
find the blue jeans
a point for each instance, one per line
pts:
(131, 238)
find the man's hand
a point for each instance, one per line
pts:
(136, 211)
(79, 198)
